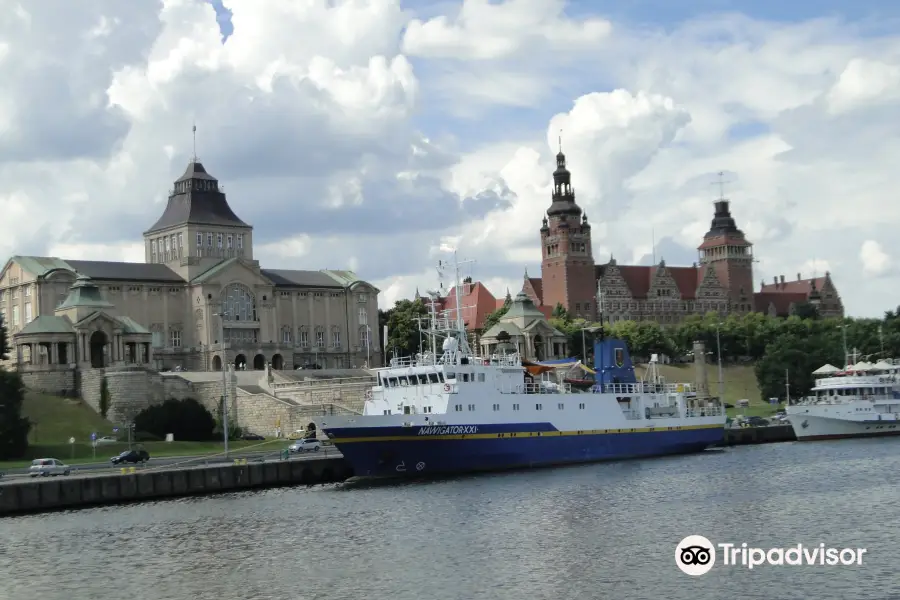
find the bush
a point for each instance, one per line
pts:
(104, 398)
(187, 420)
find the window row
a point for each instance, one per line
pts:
(496, 407)
(222, 240)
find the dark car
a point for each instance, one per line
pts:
(131, 456)
(252, 437)
(757, 421)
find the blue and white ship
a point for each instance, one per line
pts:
(455, 412)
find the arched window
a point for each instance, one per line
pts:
(238, 303)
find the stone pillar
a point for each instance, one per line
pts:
(54, 353)
(701, 382)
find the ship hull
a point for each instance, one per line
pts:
(400, 452)
(811, 428)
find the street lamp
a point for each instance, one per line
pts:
(222, 316)
(368, 346)
(719, 352)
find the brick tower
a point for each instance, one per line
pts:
(567, 268)
(726, 250)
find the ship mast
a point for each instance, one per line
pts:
(459, 327)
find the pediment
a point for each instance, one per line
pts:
(234, 271)
(98, 320)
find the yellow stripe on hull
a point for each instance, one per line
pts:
(485, 436)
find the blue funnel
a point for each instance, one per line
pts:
(613, 362)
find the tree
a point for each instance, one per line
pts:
(806, 310)
(14, 427)
(187, 420)
(791, 359)
(104, 398)
(403, 327)
(494, 318)
(560, 312)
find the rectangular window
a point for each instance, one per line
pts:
(230, 241)
(304, 338)
(320, 339)
(538, 407)
(240, 241)
(15, 318)
(27, 313)
(199, 239)
(209, 240)
(219, 240)
(363, 298)
(181, 240)
(336, 338)
(176, 338)
(286, 335)
(27, 292)
(14, 293)
(363, 316)
(153, 250)
(168, 247)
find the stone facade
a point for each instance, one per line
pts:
(165, 313)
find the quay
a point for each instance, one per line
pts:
(768, 434)
(66, 493)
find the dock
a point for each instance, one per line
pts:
(768, 434)
(132, 485)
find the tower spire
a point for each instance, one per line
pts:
(560, 141)
(194, 132)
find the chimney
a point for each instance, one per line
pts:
(776, 282)
(798, 276)
(782, 281)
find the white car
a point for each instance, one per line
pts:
(107, 439)
(48, 466)
(306, 445)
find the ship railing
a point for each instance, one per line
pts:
(645, 387)
(536, 388)
(704, 411)
(856, 381)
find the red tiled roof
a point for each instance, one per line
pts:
(477, 303)
(799, 286)
(637, 278)
(537, 285)
(687, 280)
(722, 240)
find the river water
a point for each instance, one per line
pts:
(595, 531)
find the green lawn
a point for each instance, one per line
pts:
(56, 419)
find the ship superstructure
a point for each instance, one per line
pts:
(448, 410)
(860, 400)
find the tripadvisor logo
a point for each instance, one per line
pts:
(696, 555)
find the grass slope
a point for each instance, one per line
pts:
(55, 420)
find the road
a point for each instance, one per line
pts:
(178, 462)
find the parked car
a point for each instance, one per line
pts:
(252, 437)
(107, 439)
(305, 445)
(48, 466)
(131, 456)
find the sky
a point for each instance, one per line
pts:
(374, 134)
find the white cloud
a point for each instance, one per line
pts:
(487, 31)
(332, 127)
(875, 261)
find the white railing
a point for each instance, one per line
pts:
(704, 411)
(644, 387)
(427, 360)
(850, 381)
(536, 388)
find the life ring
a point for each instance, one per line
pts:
(446, 387)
